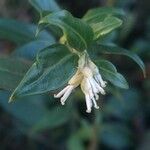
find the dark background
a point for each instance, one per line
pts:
(124, 127)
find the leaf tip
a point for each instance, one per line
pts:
(12, 98)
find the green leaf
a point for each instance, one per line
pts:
(99, 14)
(103, 20)
(20, 32)
(53, 68)
(102, 28)
(30, 50)
(77, 33)
(11, 72)
(109, 72)
(44, 5)
(112, 49)
(54, 118)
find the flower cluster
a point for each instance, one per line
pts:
(90, 80)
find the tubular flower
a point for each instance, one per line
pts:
(90, 80)
(90, 88)
(72, 84)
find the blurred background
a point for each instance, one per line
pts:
(40, 122)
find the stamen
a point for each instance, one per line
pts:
(91, 94)
(93, 85)
(94, 89)
(88, 103)
(95, 104)
(101, 81)
(91, 82)
(96, 96)
(66, 95)
(61, 92)
(101, 90)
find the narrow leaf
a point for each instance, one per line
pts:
(106, 26)
(112, 49)
(11, 72)
(53, 68)
(99, 14)
(109, 72)
(77, 33)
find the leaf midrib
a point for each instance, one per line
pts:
(96, 15)
(48, 70)
(106, 26)
(73, 30)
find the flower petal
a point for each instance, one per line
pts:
(86, 86)
(61, 92)
(97, 86)
(88, 103)
(100, 80)
(101, 90)
(66, 94)
(92, 83)
(95, 104)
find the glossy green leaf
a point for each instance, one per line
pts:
(109, 24)
(103, 20)
(53, 68)
(109, 72)
(112, 49)
(30, 50)
(77, 33)
(99, 14)
(44, 5)
(11, 72)
(20, 32)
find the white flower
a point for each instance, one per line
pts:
(97, 76)
(72, 84)
(91, 82)
(90, 88)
